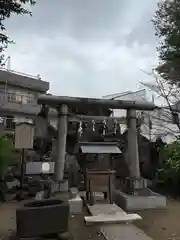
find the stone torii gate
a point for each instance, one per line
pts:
(61, 104)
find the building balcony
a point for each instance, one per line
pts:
(11, 103)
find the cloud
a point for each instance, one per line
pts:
(87, 48)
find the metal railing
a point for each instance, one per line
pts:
(20, 73)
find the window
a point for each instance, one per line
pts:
(10, 123)
(18, 98)
(21, 97)
(11, 97)
(29, 99)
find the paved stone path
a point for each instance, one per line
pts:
(117, 231)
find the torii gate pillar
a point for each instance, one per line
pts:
(133, 151)
(136, 182)
(61, 142)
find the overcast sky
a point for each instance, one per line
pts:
(85, 47)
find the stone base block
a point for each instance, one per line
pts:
(133, 184)
(141, 201)
(39, 218)
(39, 195)
(62, 187)
(73, 192)
(75, 205)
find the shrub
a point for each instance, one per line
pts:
(168, 172)
(7, 155)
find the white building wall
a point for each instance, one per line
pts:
(139, 96)
(161, 119)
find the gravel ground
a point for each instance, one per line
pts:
(158, 224)
(162, 224)
(77, 228)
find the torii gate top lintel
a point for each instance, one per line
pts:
(61, 103)
(56, 101)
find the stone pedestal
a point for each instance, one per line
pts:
(135, 184)
(144, 199)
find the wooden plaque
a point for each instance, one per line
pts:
(24, 136)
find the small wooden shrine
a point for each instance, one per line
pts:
(96, 161)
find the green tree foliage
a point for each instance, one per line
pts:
(167, 28)
(7, 9)
(7, 155)
(168, 173)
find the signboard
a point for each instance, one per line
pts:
(24, 136)
(33, 168)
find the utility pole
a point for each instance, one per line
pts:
(8, 60)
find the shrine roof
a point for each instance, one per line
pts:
(99, 148)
